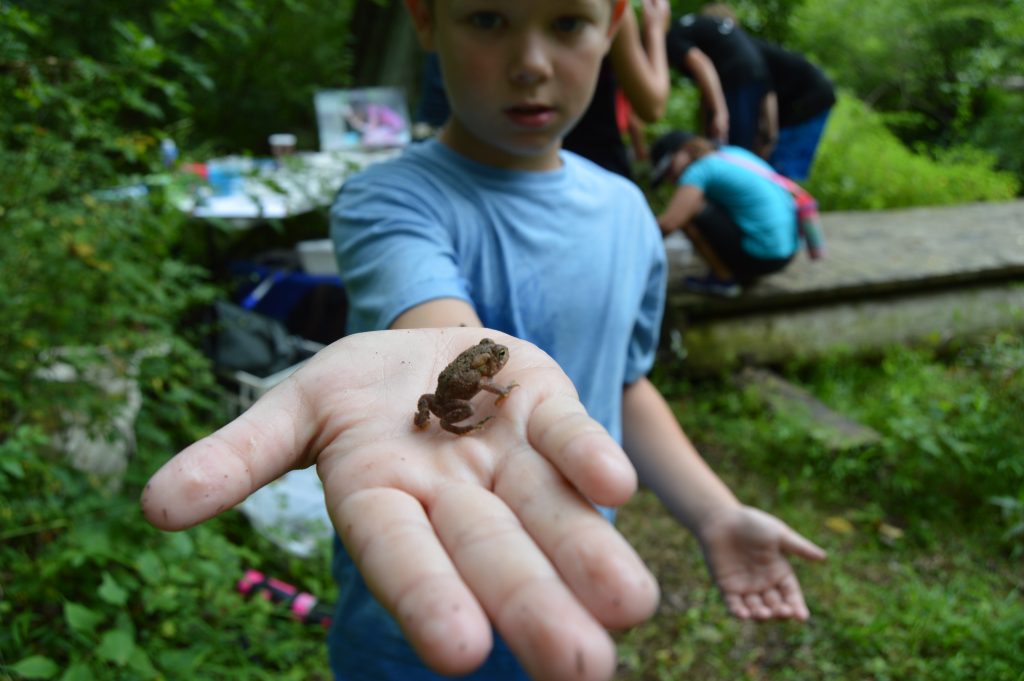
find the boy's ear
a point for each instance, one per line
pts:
(617, 11)
(419, 12)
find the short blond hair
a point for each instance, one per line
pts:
(719, 10)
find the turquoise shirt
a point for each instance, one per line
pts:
(764, 211)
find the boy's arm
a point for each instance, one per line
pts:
(438, 314)
(745, 548)
(452, 534)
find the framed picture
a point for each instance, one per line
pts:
(363, 118)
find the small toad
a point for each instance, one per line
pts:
(468, 374)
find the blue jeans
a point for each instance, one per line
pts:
(797, 145)
(366, 644)
(744, 105)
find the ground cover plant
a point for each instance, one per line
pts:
(924, 530)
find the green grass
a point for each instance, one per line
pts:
(923, 579)
(881, 609)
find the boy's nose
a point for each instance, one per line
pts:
(530, 63)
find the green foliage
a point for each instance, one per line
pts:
(110, 78)
(932, 57)
(861, 165)
(941, 65)
(950, 425)
(924, 532)
(1004, 121)
(79, 272)
(91, 591)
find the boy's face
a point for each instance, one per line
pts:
(518, 73)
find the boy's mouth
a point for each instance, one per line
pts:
(530, 115)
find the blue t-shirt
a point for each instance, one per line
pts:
(764, 211)
(570, 260)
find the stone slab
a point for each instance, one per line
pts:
(837, 432)
(880, 253)
(775, 336)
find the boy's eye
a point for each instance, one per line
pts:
(569, 24)
(485, 20)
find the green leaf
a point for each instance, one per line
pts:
(150, 567)
(35, 667)
(140, 662)
(81, 618)
(111, 592)
(117, 646)
(78, 671)
(13, 468)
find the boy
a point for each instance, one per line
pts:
(492, 225)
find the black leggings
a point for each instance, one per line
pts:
(725, 238)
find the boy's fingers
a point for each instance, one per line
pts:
(224, 468)
(794, 597)
(778, 606)
(551, 634)
(737, 605)
(582, 450)
(597, 563)
(391, 540)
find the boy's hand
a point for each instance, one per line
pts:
(746, 552)
(451, 533)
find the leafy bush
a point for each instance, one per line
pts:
(113, 78)
(862, 166)
(89, 589)
(950, 427)
(940, 65)
(93, 592)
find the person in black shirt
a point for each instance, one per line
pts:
(711, 49)
(793, 112)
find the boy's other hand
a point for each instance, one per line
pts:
(746, 551)
(451, 533)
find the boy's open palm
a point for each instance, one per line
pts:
(451, 533)
(746, 551)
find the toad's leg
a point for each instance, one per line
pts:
(501, 391)
(459, 410)
(427, 404)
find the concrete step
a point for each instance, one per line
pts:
(890, 276)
